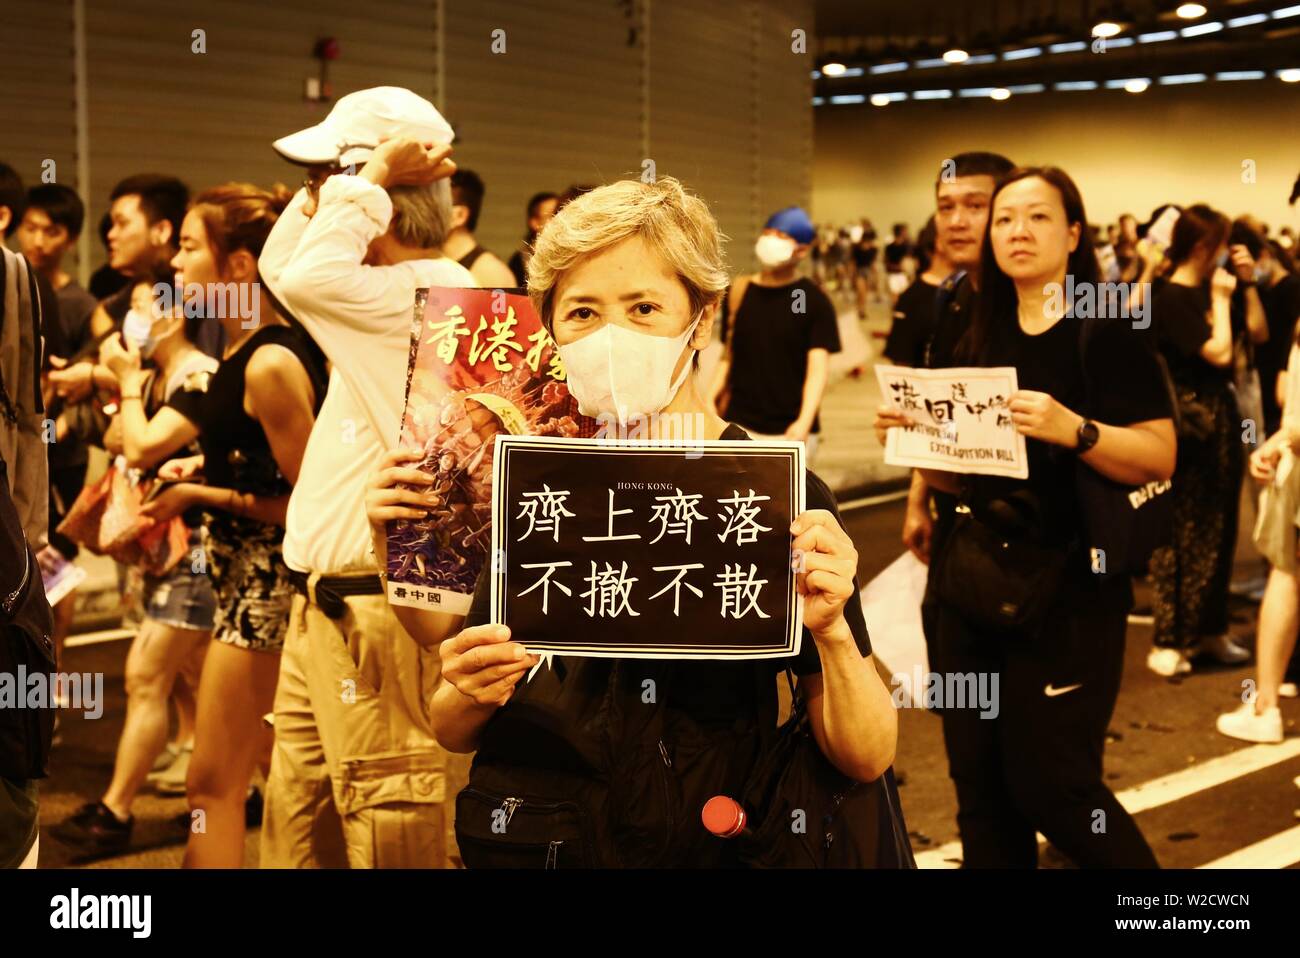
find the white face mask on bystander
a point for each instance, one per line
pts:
(623, 373)
(773, 251)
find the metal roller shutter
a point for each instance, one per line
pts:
(37, 91)
(154, 105)
(561, 105)
(701, 108)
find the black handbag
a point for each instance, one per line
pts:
(1195, 418)
(995, 573)
(803, 812)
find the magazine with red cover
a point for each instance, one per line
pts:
(481, 363)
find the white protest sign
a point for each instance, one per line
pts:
(961, 420)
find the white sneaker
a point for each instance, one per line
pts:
(1223, 649)
(1168, 662)
(171, 781)
(1288, 690)
(1250, 726)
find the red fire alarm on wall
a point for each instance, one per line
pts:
(318, 88)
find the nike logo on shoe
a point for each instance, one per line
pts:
(1050, 692)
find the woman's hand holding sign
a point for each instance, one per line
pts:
(483, 665)
(887, 417)
(1039, 416)
(824, 557)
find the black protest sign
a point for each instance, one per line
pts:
(617, 548)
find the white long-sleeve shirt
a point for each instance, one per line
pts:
(361, 317)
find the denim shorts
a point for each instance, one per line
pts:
(181, 599)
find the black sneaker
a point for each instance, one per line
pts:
(93, 829)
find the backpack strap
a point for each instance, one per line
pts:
(947, 292)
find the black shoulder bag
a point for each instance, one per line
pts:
(997, 573)
(803, 812)
(1125, 524)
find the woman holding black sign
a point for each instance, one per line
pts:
(1022, 551)
(578, 765)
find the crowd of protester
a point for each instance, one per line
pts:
(277, 598)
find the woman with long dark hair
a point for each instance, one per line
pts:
(1035, 765)
(1189, 577)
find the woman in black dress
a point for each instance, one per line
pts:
(1189, 577)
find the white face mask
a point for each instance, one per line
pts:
(138, 328)
(619, 372)
(774, 251)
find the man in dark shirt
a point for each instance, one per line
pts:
(50, 227)
(963, 191)
(779, 340)
(147, 210)
(914, 313)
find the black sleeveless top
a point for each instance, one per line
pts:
(236, 452)
(470, 258)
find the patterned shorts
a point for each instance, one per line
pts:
(251, 582)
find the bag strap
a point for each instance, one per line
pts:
(943, 298)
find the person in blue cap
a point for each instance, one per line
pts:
(779, 331)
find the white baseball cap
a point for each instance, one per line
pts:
(359, 121)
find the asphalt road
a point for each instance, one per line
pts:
(1201, 797)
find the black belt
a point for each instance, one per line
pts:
(331, 589)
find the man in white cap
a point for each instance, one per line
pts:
(356, 776)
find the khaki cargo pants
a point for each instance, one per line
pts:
(357, 779)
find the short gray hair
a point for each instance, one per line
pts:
(676, 224)
(421, 214)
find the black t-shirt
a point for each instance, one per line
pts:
(914, 314)
(76, 306)
(1123, 385)
(895, 253)
(106, 281)
(769, 352)
(950, 324)
(1182, 321)
(712, 691)
(118, 304)
(1282, 308)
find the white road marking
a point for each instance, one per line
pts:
(879, 500)
(1277, 851)
(1162, 790)
(95, 638)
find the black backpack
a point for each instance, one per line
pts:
(26, 649)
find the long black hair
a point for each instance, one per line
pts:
(998, 302)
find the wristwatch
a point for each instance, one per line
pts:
(1088, 435)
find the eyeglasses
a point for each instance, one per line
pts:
(319, 174)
